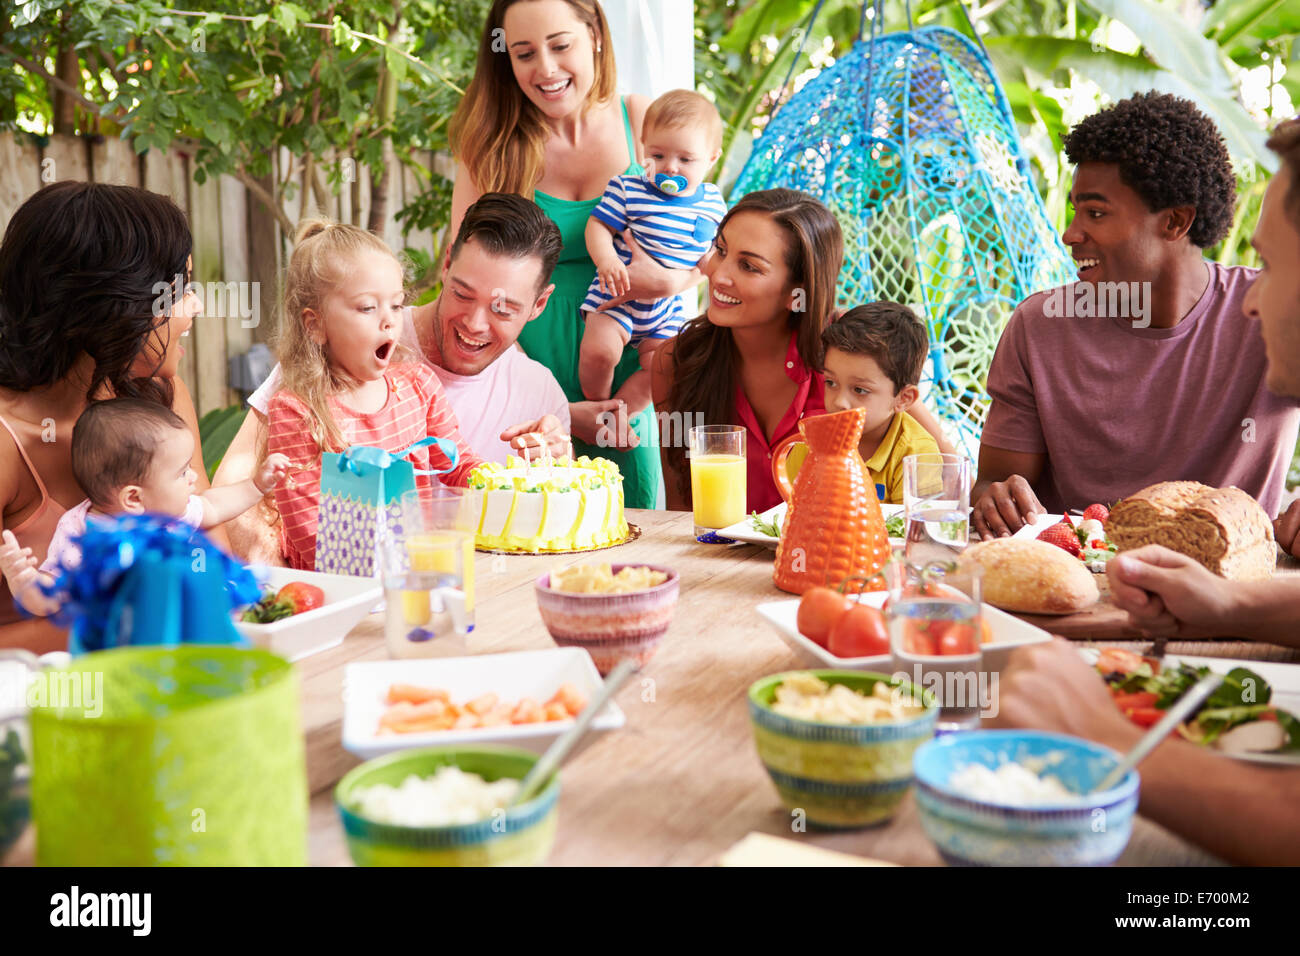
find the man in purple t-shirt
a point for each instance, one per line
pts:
(1146, 369)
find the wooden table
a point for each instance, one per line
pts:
(681, 782)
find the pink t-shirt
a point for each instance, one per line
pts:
(1116, 408)
(72, 525)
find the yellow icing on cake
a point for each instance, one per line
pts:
(520, 492)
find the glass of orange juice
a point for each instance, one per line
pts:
(428, 571)
(717, 454)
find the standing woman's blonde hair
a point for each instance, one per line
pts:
(321, 253)
(497, 133)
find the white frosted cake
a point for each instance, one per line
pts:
(557, 506)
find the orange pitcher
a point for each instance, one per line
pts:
(833, 526)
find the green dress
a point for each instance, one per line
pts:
(554, 337)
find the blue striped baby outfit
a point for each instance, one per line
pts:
(675, 230)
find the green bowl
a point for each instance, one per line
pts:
(522, 837)
(839, 775)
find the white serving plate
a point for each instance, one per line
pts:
(1284, 679)
(744, 531)
(347, 601)
(535, 674)
(1041, 523)
(1008, 634)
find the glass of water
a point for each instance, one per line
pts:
(936, 633)
(427, 565)
(936, 505)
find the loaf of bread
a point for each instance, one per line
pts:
(1224, 529)
(1031, 577)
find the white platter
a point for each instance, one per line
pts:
(743, 530)
(512, 676)
(347, 601)
(1008, 634)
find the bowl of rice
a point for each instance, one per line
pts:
(446, 806)
(837, 744)
(1023, 798)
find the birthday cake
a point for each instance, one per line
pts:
(560, 505)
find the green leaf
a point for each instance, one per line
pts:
(1172, 42)
(259, 21)
(286, 18)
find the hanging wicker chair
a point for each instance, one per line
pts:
(908, 139)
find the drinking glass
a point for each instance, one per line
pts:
(427, 566)
(936, 632)
(717, 454)
(936, 503)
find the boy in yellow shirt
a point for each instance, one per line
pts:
(874, 357)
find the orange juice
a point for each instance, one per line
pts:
(449, 556)
(718, 489)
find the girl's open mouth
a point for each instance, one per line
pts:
(384, 351)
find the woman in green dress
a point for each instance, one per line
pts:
(542, 119)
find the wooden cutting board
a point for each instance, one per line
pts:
(1104, 621)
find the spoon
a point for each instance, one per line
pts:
(556, 753)
(1172, 718)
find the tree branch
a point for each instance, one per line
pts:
(118, 116)
(267, 200)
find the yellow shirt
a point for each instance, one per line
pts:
(905, 437)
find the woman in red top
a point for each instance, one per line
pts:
(751, 359)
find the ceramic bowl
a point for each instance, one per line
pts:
(610, 627)
(522, 836)
(839, 775)
(1089, 831)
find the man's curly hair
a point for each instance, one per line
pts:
(1169, 153)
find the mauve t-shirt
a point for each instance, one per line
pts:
(1116, 408)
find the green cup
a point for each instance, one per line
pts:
(169, 756)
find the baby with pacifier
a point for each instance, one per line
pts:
(130, 457)
(671, 213)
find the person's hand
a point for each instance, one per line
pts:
(613, 276)
(604, 424)
(545, 432)
(1051, 687)
(272, 472)
(1166, 593)
(1005, 508)
(647, 278)
(1286, 529)
(16, 562)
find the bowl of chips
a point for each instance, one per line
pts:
(613, 611)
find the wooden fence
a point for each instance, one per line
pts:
(236, 239)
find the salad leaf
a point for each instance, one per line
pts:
(769, 528)
(1240, 687)
(1292, 728)
(896, 525)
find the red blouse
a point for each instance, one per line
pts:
(809, 399)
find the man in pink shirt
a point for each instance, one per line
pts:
(495, 280)
(1146, 369)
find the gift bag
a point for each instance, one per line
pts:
(361, 495)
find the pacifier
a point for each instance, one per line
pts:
(672, 185)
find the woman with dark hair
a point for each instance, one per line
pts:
(752, 358)
(93, 303)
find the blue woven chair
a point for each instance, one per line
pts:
(908, 139)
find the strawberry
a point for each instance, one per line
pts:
(1099, 512)
(301, 596)
(1063, 536)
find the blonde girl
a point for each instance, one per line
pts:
(348, 380)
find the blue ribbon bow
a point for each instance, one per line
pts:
(358, 456)
(149, 579)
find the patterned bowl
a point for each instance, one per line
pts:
(610, 626)
(523, 836)
(1090, 831)
(839, 775)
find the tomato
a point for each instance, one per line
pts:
(1116, 660)
(819, 611)
(1269, 715)
(859, 633)
(301, 596)
(1137, 701)
(920, 637)
(1145, 716)
(957, 639)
